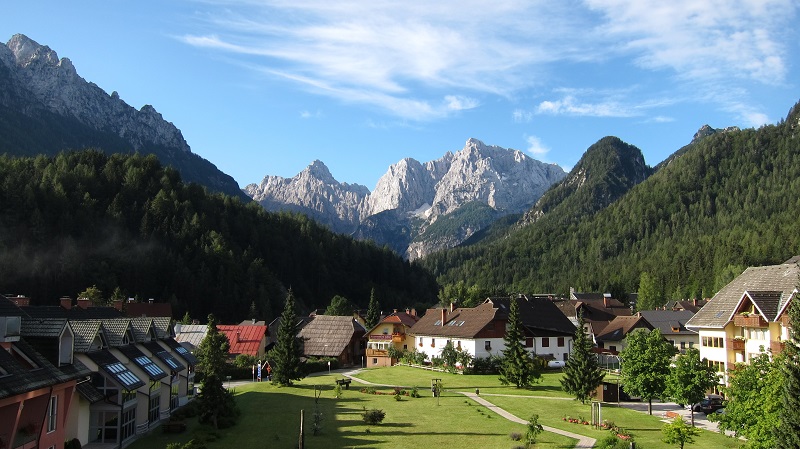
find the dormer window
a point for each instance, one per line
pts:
(127, 338)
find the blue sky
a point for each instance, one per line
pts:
(266, 87)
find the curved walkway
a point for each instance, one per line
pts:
(584, 442)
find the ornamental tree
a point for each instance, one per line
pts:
(644, 364)
(690, 379)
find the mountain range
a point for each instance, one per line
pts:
(417, 208)
(46, 108)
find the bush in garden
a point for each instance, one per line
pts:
(374, 416)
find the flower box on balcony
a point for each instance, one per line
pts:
(736, 344)
(749, 321)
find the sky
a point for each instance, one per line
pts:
(265, 87)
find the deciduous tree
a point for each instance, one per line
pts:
(690, 379)
(340, 306)
(678, 432)
(644, 364)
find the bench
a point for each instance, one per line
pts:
(173, 427)
(344, 382)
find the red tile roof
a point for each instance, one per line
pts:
(244, 339)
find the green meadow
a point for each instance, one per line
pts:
(271, 416)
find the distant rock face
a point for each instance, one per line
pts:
(40, 92)
(58, 86)
(417, 194)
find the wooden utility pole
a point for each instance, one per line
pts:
(300, 443)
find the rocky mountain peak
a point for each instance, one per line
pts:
(319, 170)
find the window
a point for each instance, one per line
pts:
(612, 348)
(712, 342)
(52, 413)
(433, 342)
(683, 345)
(173, 396)
(528, 342)
(560, 342)
(374, 361)
(545, 342)
(103, 426)
(154, 408)
(128, 423)
(487, 345)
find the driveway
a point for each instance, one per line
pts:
(661, 408)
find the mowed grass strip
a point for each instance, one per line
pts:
(271, 419)
(549, 384)
(646, 429)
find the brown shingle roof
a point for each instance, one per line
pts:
(719, 310)
(328, 335)
(618, 328)
(461, 322)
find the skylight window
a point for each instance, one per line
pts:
(152, 369)
(123, 376)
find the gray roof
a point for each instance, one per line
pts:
(85, 332)
(669, 320)
(763, 284)
(115, 330)
(43, 327)
(328, 335)
(191, 335)
(143, 329)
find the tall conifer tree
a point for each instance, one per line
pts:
(373, 310)
(787, 434)
(582, 373)
(285, 356)
(517, 367)
(216, 404)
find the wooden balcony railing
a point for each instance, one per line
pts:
(377, 353)
(776, 347)
(735, 344)
(749, 321)
(398, 337)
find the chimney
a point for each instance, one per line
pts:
(117, 303)
(238, 336)
(571, 292)
(606, 302)
(21, 301)
(84, 303)
(395, 311)
(66, 302)
(444, 315)
(130, 300)
(254, 321)
(452, 307)
(178, 328)
(150, 301)
(694, 301)
(414, 312)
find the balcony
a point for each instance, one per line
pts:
(749, 321)
(398, 337)
(776, 347)
(785, 320)
(735, 344)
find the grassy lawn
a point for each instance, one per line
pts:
(645, 429)
(271, 419)
(489, 384)
(271, 416)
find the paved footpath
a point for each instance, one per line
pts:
(584, 442)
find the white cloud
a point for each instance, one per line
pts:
(706, 40)
(403, 57)
(306, 114)
(521, 116)
(536, 147)
(569, 105)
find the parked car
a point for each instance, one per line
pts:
(710, 404)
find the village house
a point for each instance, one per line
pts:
(480, 330)
(340, 337)
(747, 316)
(672, 324)
(391, 331)
(118, 377)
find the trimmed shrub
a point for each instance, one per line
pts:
(373, 416)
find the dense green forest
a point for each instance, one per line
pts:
(728, 202)
(86, 218)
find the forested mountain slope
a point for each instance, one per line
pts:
(79, 219)
(729, 201)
